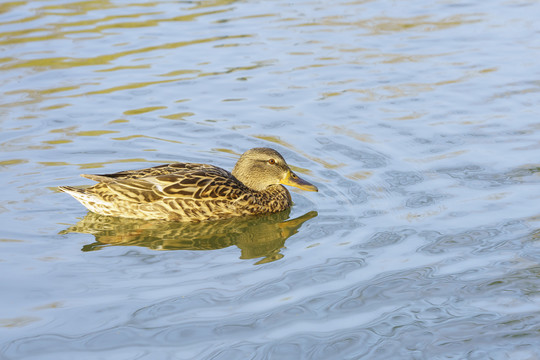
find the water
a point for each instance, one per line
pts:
(417, 121)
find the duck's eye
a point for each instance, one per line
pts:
(272, 162)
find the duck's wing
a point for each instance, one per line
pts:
(166, 169)
(189, 182)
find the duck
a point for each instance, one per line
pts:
(194, 192)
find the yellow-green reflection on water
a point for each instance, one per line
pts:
(257, 237)
(66, 62)
(82, 8)
(385, 24)
(18, 321)
(13, 162)
(94, 165)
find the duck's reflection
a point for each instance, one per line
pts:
(257, 237)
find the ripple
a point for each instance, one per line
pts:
(368, 159)
(475, 238)
(386, 238)
(402, 178)
(476, 177)
(299, 278)
(419, 200)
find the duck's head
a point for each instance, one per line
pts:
(259, 168)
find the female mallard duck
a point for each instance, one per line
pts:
(194, 192)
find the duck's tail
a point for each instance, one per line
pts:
(70, 189)
(88, 199)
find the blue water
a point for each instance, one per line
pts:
(418, 121)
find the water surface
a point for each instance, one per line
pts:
(418, 122)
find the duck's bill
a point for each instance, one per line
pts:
(294, 180)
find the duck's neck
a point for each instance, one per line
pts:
(275, 197)
(249, 183)
(247, 180)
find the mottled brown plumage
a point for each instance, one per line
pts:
(194, 192)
